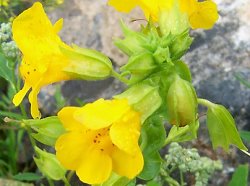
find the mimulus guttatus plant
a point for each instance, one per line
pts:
(118, 141)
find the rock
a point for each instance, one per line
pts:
(224, 88)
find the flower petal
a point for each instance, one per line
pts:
(127, 165)
(205, 16)
(123, 5)
(58, 25)
(95, 166)
(101, 113)
(30, 30)
(124, 133)
(69, 149)
(67, 119)
(35, 113)
(18, 98)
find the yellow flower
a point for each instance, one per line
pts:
(43, 60)
(102, 137)
(201, 14)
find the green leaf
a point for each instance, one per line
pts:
(153, 183)
(152, 139)
(132, 183)
(181, 134)
(27, 176)
(222, 129)
(153, 134)
(240, 176)
(242, 80)
(152, 164)
(245, 135)
(11, 115)
(5, 182)
(7, 73)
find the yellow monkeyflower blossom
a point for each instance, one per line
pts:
(43, 60)
(201, 14)
(101, 137)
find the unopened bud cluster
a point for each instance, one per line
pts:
(7, 46)
(189, 160)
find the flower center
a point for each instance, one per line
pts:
(101, 140)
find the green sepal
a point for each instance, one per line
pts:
(144, 98)
(173, 21)
(87, 64)
(133, 42)
(182, 134)
(162, 55)
(139, 67)
(140, 63)
(180, 45)
(183, 71)
(153, 136)
(222, 128)
(26, 176)
(49, 165)
(47, 129)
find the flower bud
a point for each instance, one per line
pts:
(49, 165)
(140, 63)
(133, 42)
(181, 103)
(180, 45)
(162, 55)
(87, 64)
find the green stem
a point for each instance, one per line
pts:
(32, 141)
(181, 177)
(12, 150)
(51, 183)
(171, 181)
(66, 181)
(205, 102)
(23, 111)
(119, 77)
(70, 174)
(172, 169)
(169, 140)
